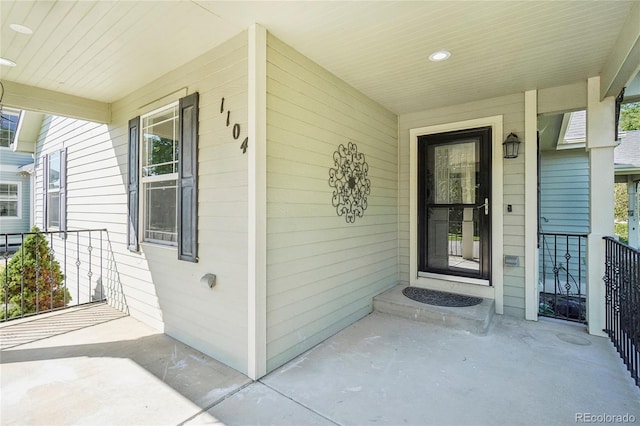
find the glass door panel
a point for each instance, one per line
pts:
(454, 203)
(454, 240)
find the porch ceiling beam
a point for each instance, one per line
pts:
(622, 63)
(31, 98)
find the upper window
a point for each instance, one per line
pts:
(159, 175)
(8, 126)
(9, 200)
(53, 190)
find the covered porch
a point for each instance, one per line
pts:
(273, 268)
(94, 365)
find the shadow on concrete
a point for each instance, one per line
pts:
(94, 358)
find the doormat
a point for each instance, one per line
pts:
(440, 298)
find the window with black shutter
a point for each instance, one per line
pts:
(162, 184)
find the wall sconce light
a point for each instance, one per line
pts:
(511, 146)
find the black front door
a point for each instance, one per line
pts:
(454, 203)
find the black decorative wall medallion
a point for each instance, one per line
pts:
(350, 182)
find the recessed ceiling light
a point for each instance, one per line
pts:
(440, 55)
(7, 62)
(21, 29)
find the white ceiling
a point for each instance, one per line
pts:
(105, 50)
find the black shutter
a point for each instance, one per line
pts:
(45, 191)
(188, 179)
(63, 190)
(133, 185)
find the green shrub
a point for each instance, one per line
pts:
(622, 231)
(35, 262)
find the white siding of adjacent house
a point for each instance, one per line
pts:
(159, 289)
(321, 271)
(512, 109)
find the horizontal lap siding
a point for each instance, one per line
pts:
(564, 191)
(159, 289)
(321, 271)
(512, 109)
(16, 159)
(564, 207)
(96, 198)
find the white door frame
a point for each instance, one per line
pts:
(452, 283)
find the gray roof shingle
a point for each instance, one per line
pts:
(628, 152)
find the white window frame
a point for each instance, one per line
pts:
(12, 112)
(19, 199)
(50, 191)
(144, 180)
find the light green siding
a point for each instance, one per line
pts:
(321, 271)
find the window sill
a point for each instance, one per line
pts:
(152, 245)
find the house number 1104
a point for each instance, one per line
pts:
(235, 130)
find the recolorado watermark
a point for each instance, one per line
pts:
(605, 418)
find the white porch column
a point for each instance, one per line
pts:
(531, 204)
(600, 144)
(257, 205)
(634, 214)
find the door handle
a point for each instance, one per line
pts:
(485, 205)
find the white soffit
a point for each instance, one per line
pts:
(105, 50)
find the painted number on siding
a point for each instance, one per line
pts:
(235, 130)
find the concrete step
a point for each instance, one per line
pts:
(474, 319)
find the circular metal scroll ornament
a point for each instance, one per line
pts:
(350, 182)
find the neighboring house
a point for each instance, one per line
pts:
(305, 196)
(627, 169)
(564, 173)
(564, 200)
(564, 221)
(16, 207)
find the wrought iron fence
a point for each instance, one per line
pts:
(48, 271)
(563, 276)
(622, 299)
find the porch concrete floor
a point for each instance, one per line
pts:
(380, 370)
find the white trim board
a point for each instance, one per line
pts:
(19, 199)
(531, 258)
(452, 284)
(257, 204)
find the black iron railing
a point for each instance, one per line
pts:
(46, 271)
(622, 300)
(563, 276)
